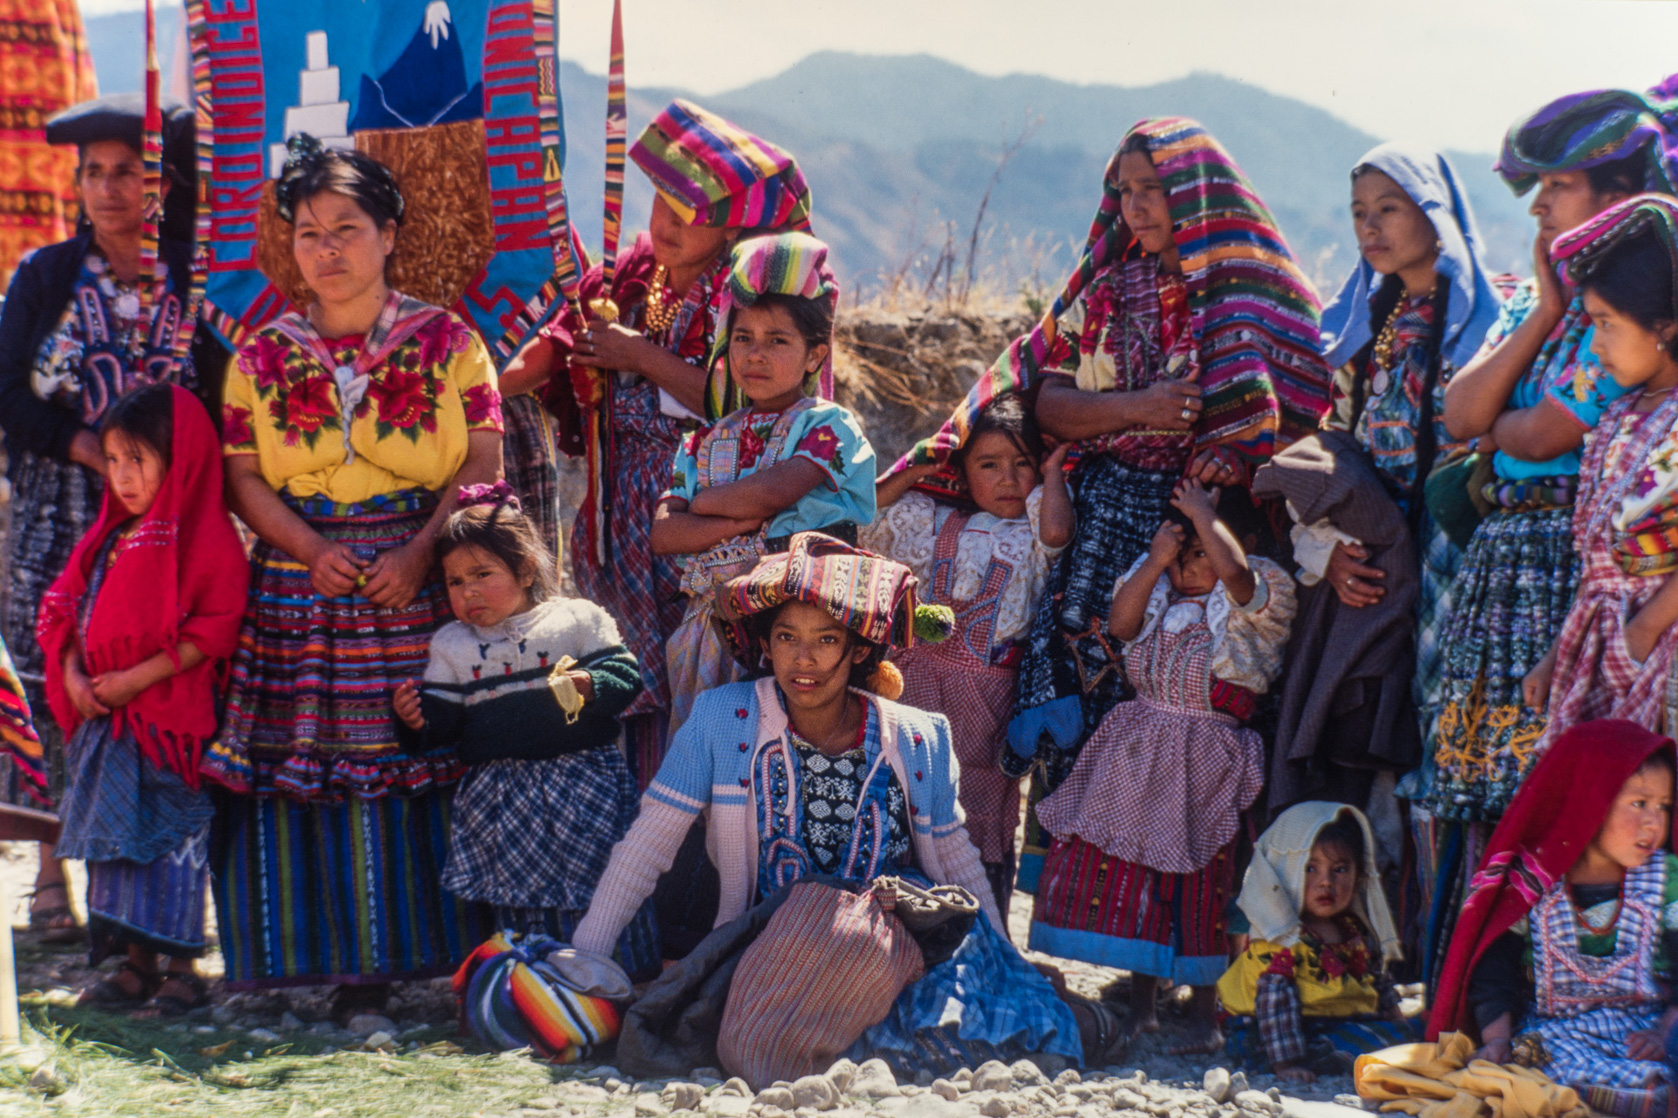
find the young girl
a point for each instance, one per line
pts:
(789, 462)
(1569, 936)
(525, 687)
(1615, 651)
(1314, 973)
(988, 564)
(1143, 862)
(137, 631)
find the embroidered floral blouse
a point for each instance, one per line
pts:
(404, 428)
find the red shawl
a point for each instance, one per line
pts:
(180, 575)
(1552, 819)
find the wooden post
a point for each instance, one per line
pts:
(11, 1030)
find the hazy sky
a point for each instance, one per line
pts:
(1448, 72)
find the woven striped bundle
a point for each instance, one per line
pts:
(510, 998)
(1599, 126)
(784, 264)
(715, 173)
(869, 594)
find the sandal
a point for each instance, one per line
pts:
(108, 993)
(55, 924)
(169, 1005)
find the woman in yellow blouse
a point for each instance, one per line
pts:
(348, 429)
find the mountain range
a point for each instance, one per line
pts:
(900, 149)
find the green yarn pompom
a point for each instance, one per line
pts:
(934, 623)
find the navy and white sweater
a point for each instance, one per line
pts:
(486, 692)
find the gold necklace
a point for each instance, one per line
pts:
(1387, 339)
(660, 308)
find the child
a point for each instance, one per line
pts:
(137, 632)
(1314, 972)
(789, 462)
(1615, 652)
(988, 564)
(1569, 935)
(1143, 862)
(526, 686)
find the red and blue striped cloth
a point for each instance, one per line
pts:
(511, 997)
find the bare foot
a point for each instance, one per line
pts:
(1204, 1039)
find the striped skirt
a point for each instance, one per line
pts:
(1114, 913)
(316, 893)
(156, 905)
(309, 704)
(53, 505)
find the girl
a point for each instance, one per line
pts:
(526, 687)
(788, 462)
(987, 563)
(1571, 931)
(137, 632)
(1615, 651)
(1143, 859)
(1314, 972)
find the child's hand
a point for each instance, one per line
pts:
(407, 704)
(1054, 466)
(80, 690)
(584, 682)
(1535, 685)
(1357, 584)
(1167, 544)
(1295, 1074)
(1195, 501)
(1496, 1051)
(116, 689)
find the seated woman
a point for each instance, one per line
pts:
(769, 760)
(1569, 934)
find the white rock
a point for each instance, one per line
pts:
(650, 1104)
(841, 1073)
(993, 1076)
(815, 1091)
(682, 1096)
(1257, 1102)
(769, 1111)
(944, 1089)
(366, 1024)
(1275, 1094)
(1349, 1100)
(780, 1097)
(1069, 1077)
(1216, 1083)
(736, 1086)
(1237, 1083)
(265, 1036)
(378, 1040)
(1027, 1074)
(728, 1106)
(963, 1076)
(999, 1106)
(873, 1080)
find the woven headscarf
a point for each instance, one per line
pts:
(1431, 182)
(1552, 819)
(783, 264)
(870, 595)
(1254, 315)
(1273, 892)
(1599, 126)
(1581, 249)
(716, 173)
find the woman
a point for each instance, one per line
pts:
(1413, 311)
(1533, 393)
(81, 326)
(349, 428)
(636, 372)
(1614, 656)
(822, 615)
(1194, 353)
(1566, 943)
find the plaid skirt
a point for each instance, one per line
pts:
(1440, 560)
(527, 455)
(53, 505)
(309, 711)
(1510, 599)
(1587, 1052)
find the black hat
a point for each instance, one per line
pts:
(122, 116)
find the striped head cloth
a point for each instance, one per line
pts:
(1254, 315)
(1599, 126)
(792, 264)
(715, 173)
(869, 594)
(1583, 248)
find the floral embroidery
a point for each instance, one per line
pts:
(404, 401)
(308, 406)
(440, 339)
(236, 428)
(265, 360)
(1281, 963)
(751, 445)
(483, 407)
(821, 444)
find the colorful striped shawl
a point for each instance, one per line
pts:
(1598, 126)
(1253, 312)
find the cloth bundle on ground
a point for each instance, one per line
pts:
(827, 966)
(1443, 1081)
(1354, 710)
(1583, 130)
(179, 575)
(534, 992)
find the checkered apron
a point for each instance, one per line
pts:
(959, 680)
